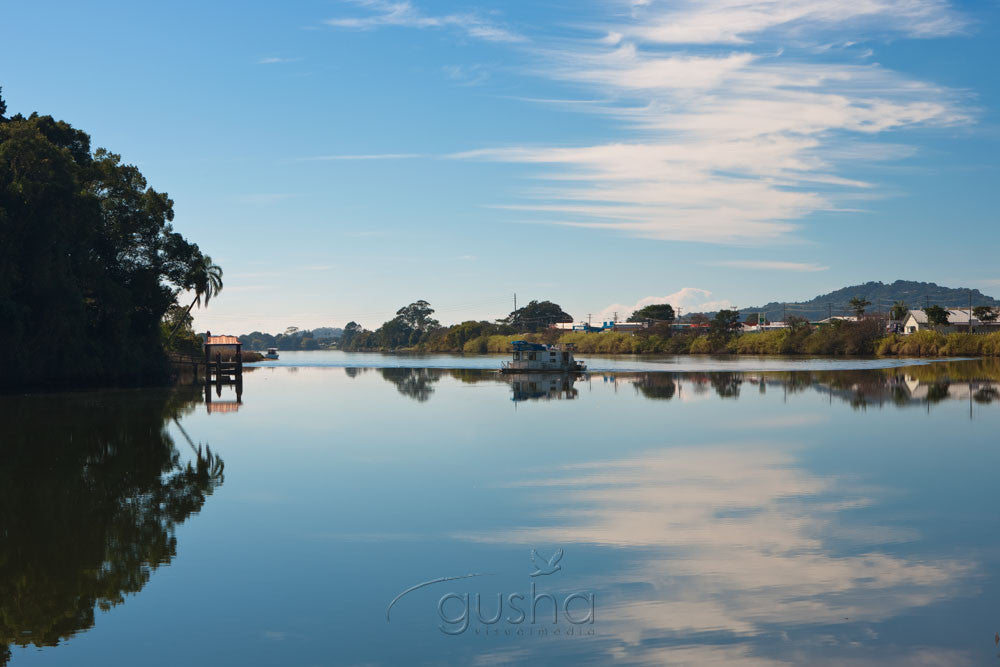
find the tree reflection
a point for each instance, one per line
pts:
(92, 488)
(660, 386)
(415, 383)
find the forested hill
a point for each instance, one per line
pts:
(913, 293)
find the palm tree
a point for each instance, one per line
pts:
(858, 305)
(899, 310)
(206, 280)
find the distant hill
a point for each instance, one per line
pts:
(327, 332)
(914, 294)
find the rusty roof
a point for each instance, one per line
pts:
(223, 406)
(222, 340)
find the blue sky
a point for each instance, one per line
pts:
(340, 159)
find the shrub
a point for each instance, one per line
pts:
(701, 345)
(765, 342)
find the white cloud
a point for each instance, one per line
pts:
(735, 21)
(402, 13)
(730, 540)
(739, 142)
(275, 61)
(772, 265)
(687, 300)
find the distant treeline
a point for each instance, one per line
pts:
(414, 330)
(293, 338)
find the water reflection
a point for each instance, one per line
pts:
(733, 552)
(92, 488)
(415, 383)
(901, 387)
(543, 386)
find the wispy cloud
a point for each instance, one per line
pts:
(275, 60)
(467, 75)
(771, 266)
(737, 141)
(739, 21)
(402, 13)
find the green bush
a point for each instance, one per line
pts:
(765, 342)
(701, 345)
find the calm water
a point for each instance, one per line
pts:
(749, 516)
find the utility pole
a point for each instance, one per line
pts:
(588, 320)
(829, 307)
(515, 301)
(970, 312)
(616, 317)
(784, 314)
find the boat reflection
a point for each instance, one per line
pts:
(92, 488)
(542, 386)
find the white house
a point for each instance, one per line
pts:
(958, 320)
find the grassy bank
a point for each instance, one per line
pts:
(847, 340)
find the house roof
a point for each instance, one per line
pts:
(222, 340)
(955, 316)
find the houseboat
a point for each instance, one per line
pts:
(538, 358)
(272, 353)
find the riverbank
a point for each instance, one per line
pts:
(828, 341)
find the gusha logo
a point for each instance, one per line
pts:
(522, 609)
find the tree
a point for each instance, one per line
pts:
(985, 313)
(536, 315)
(858, 305)
(936, 316)
(898, 311)
(350, 331)
(88, 258)
(699, 319)
(796, 323)
(206, 281)
(395, 333)
(660, 312)
(724, 324)
(417, 316)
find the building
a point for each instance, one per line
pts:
(837, 318)
(767, 326)
(958, 320)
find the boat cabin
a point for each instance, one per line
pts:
(536, 357)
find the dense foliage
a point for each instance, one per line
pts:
(659, 311)
(89, 262)
(535, 316)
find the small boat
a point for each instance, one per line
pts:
(539, 358)
(272, 353)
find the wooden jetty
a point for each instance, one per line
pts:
(221, 365)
